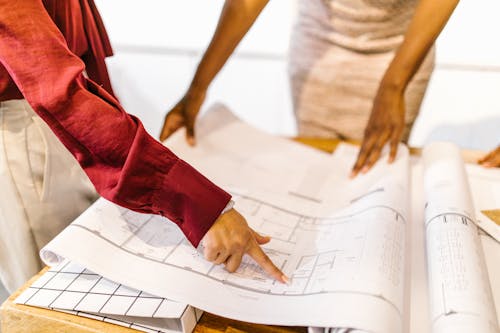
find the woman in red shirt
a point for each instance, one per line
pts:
(42, 45)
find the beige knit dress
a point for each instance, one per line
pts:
(339, 52)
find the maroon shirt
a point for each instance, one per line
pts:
(125, 164)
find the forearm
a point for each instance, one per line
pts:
(428, 21)
(236, 19)
(126, 165)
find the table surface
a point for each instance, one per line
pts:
(21, 318)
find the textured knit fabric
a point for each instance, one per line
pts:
(340, 50)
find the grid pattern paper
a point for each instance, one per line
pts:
(72, 289)
(69, 286)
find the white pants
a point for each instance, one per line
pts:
(42, 189)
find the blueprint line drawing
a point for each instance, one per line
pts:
(346, 244)
(344, 251)
(308, 269)
(460, 293)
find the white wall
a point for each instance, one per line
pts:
(158, 44)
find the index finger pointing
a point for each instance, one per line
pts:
(267, 265)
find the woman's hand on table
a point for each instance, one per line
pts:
(386, 122)
(386, 125)
(183, 114)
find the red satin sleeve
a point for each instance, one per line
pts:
(126, 165)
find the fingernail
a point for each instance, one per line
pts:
(191, 141)
(365, 169)
(285, 279)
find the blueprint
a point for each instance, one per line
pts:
(342, 242)
(485, 192)
(459, 288)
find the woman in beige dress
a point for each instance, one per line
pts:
(358, 68)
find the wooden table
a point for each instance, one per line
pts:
(23, 319)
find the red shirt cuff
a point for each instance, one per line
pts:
(190, 200)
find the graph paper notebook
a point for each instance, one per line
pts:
(71, 288)
(354, 249)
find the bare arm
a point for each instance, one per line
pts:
(386, 122)
(236, 19)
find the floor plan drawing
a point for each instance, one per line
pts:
(460, 293)
(339, 246)
(343, 242)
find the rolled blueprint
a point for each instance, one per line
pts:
(459, 289)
